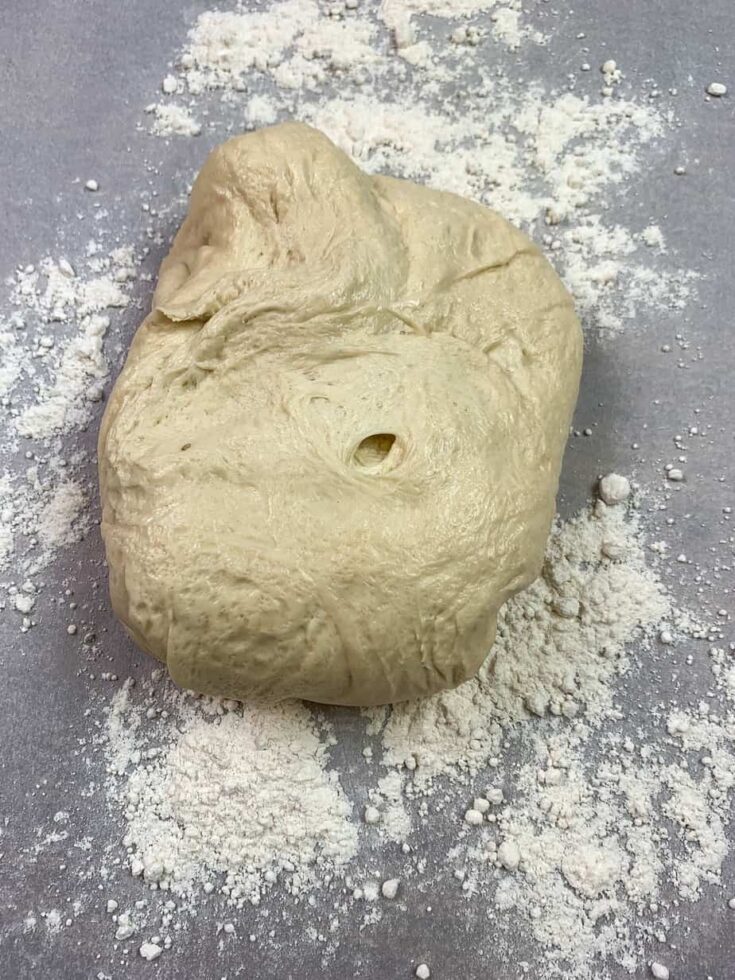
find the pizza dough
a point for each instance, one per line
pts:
(333, 451)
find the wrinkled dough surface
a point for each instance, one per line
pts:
(334, 448)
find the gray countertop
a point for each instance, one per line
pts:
(74, 77)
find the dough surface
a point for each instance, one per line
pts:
(334, 448)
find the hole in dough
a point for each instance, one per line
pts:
(374, 450)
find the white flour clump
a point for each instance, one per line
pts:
(505, 18)
(173, 120)
(261, 111)
(245, 792)
(295, 44)
(508, 28)
(54, 296)
(59, 520)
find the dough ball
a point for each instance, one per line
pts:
(333, 451)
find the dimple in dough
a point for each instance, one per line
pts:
(333, 451)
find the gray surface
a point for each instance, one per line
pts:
(73, 79)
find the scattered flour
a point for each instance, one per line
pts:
(446, 9)
(52, 378)
(60, 521)
(298, 48)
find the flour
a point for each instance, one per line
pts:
(508, 28)
(52, 378)
(505, 17)
(243, 791)
(395, 821)
(53, 298)
(298, 48)
(63, 403)
(173, 120)
(60, 521)
(446, 9)
(593, 850)
(260, 111)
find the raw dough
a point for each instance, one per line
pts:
(333, 451)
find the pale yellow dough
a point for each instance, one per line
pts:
(334, 448)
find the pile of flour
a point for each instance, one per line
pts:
(241, 790)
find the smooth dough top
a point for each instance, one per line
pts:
(334, 448)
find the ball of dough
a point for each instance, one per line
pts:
(334, 448)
